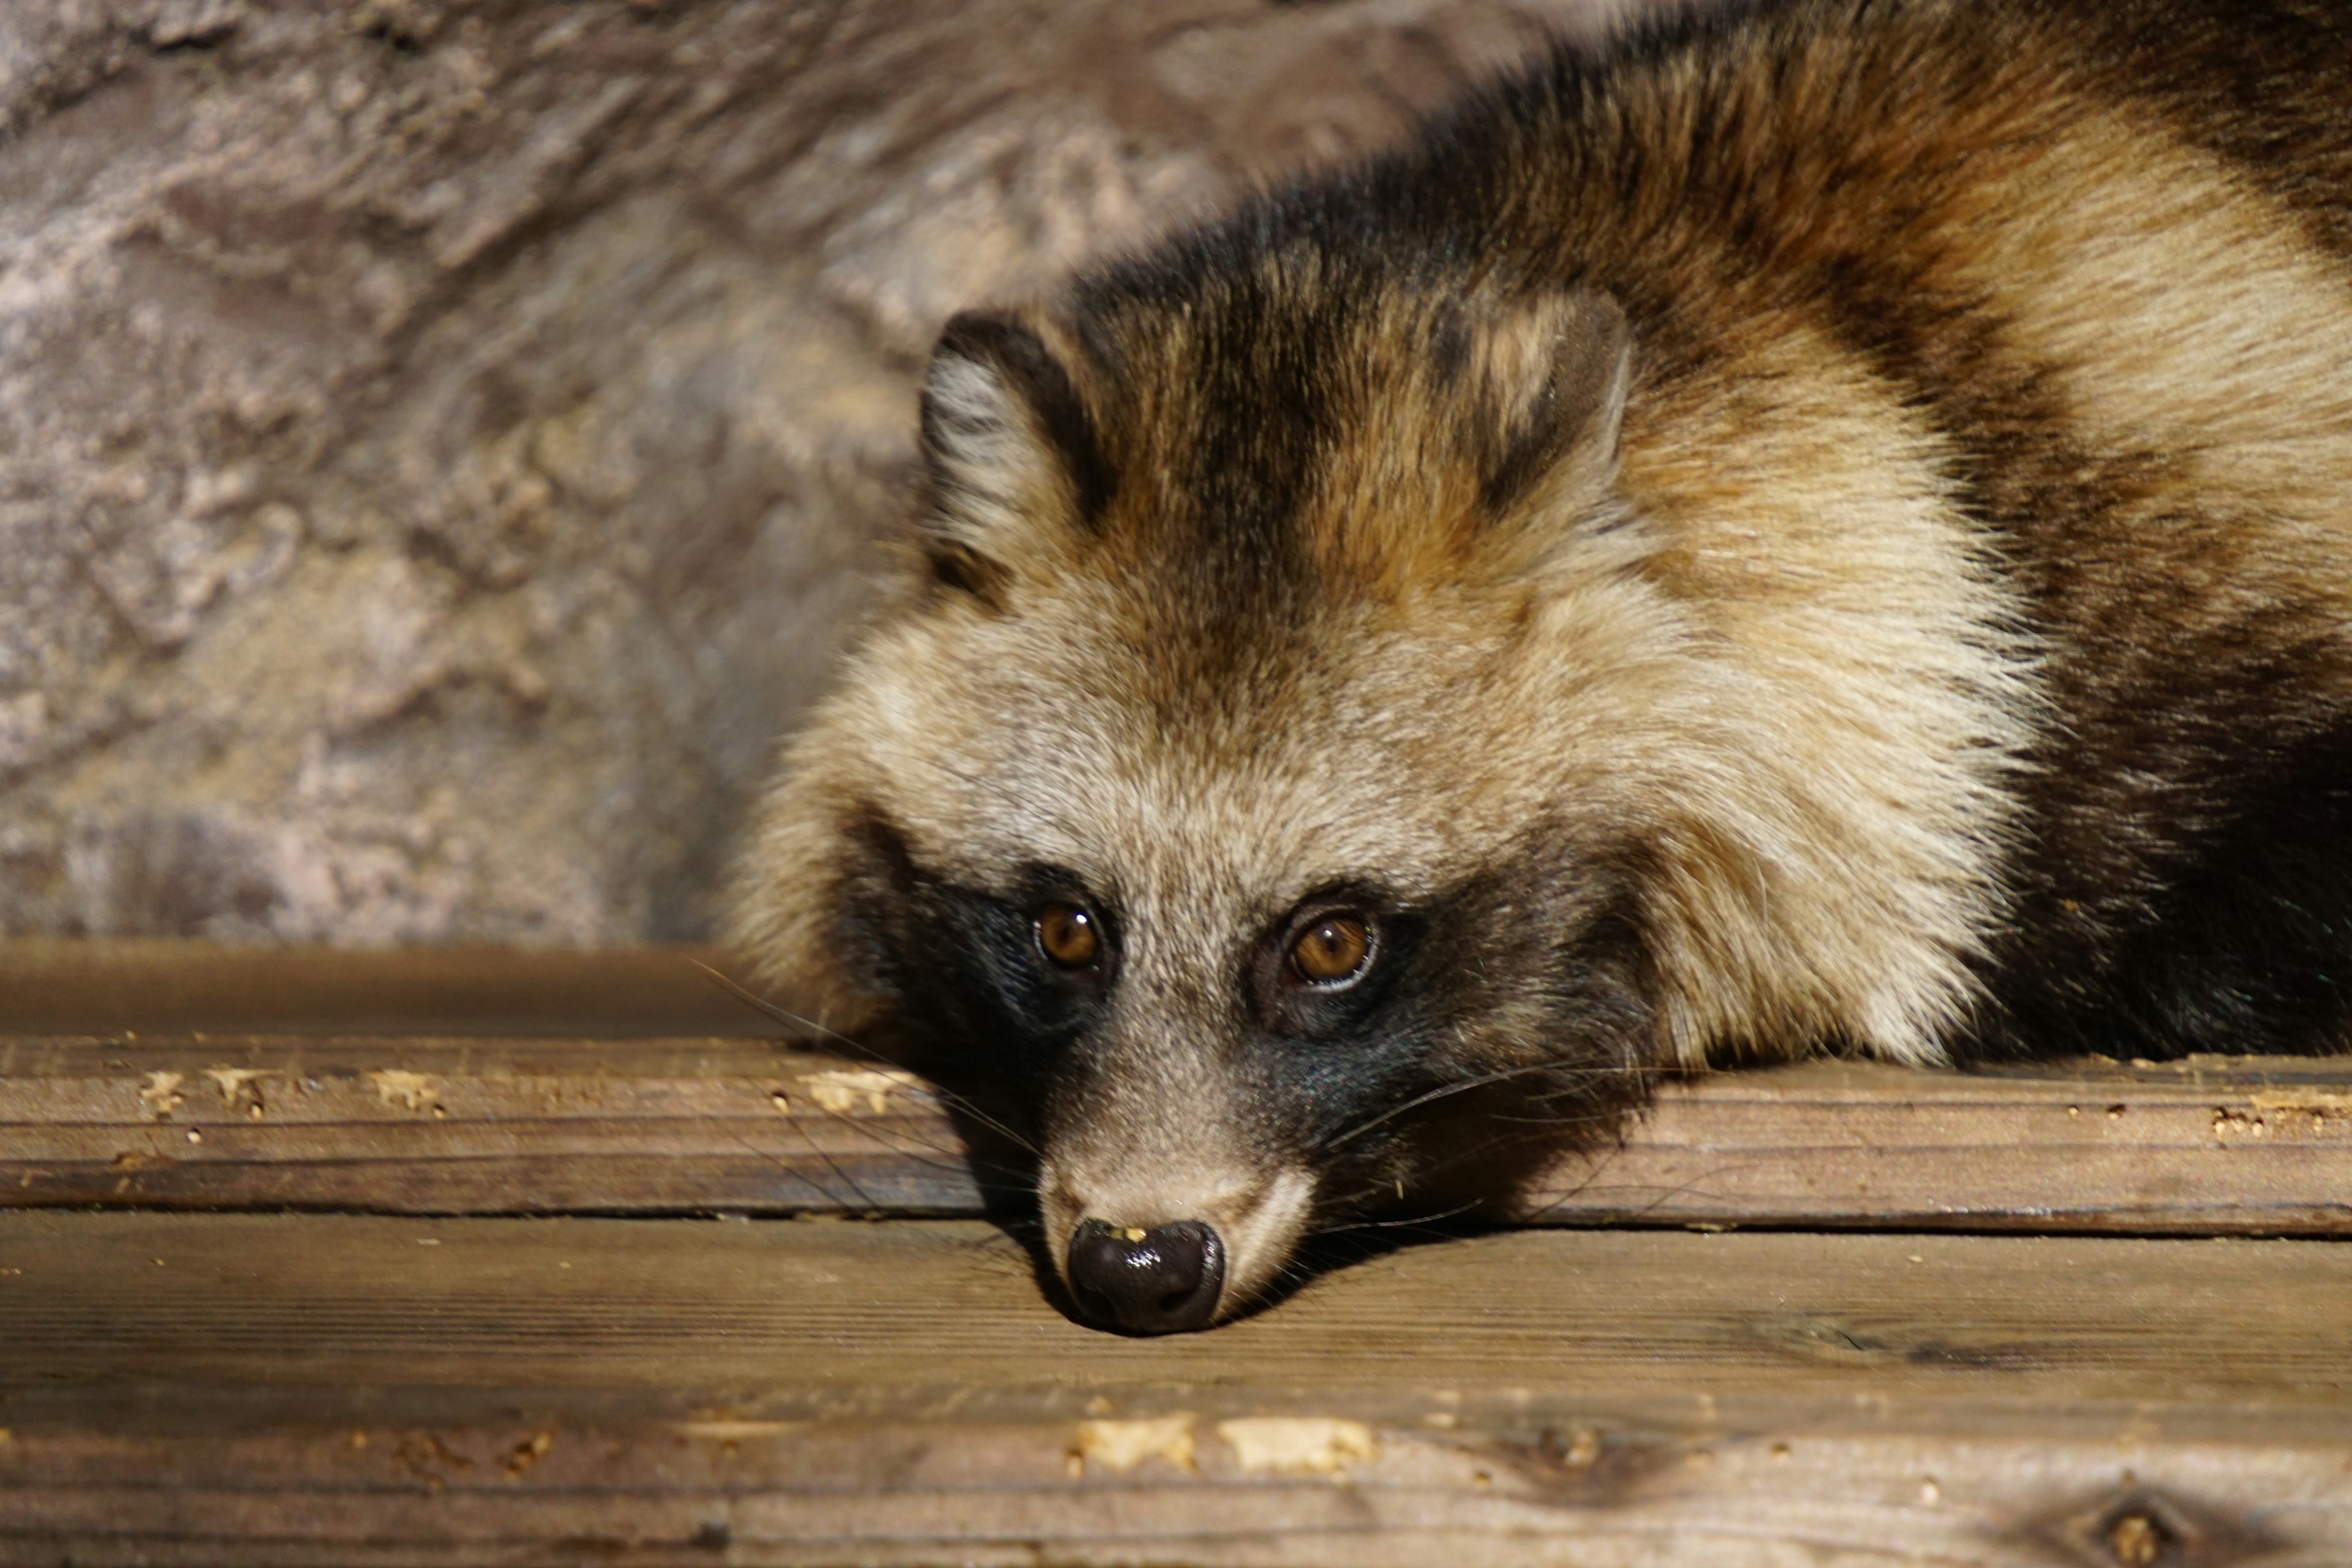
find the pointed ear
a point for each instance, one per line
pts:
(1009, 451)
(1550, 375)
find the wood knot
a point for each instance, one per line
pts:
(2140, 1527)
(2139, 1540)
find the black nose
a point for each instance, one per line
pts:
(1154, 1282)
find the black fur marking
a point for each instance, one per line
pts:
(1256, 420)
(960, 567)
(1552, 946)
(965, 962)
(2245, 945)
(1451, 339)
(1554, 951)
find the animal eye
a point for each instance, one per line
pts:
(1331, 950)
(1067, 935)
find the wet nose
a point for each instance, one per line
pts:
(1154, 1282)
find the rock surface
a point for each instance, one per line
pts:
(441, 446)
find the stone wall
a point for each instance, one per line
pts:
(441, 446)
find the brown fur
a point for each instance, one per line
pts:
(1822, 527)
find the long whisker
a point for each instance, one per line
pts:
(865, 1199)
(1565, 1119)
(1443, 1091)
(1414, 1221)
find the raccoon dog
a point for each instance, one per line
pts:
(1824, 525)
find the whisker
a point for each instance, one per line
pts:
(1443, 1091)
(865, 1199)
(1416, 1222)
(1591, 1184)
(1583, 1120)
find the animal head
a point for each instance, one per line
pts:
(1213, 785)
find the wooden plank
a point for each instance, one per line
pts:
(480, 1126)
(526, 1478)
(251, 1389)
(2210, 1146)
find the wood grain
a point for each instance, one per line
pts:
(261, 1389)
(275, 1388)
(397, 1124)
(2212, 1145)
(454, 1126)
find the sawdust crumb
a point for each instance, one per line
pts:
(1297, 1445)
(2228, 1123)
(161, 1094)
(528, 1452)
(240, 1086)
(415, 1090)
(841, 1093)
(1120, 1446)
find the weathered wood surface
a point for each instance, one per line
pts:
(256, 1390)
(219, 1388)
(459, 1125)
(456, 1126)
(2206, 1146)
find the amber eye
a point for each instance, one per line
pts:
(1066, 934)
(1331, 950)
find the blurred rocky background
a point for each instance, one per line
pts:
(441, 446)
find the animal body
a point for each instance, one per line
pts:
(1821, 525)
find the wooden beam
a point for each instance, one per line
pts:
(2210, 1146)
(477, 1126)
(269, 1389)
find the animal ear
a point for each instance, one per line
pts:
(1009, 449)
(1552, 374)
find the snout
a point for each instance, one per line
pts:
(1158, 1281)
(1145, 1250)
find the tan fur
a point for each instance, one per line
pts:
(1747, 613)
(2182, 312)
(1861, 693)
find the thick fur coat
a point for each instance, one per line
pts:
(1822, 525)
